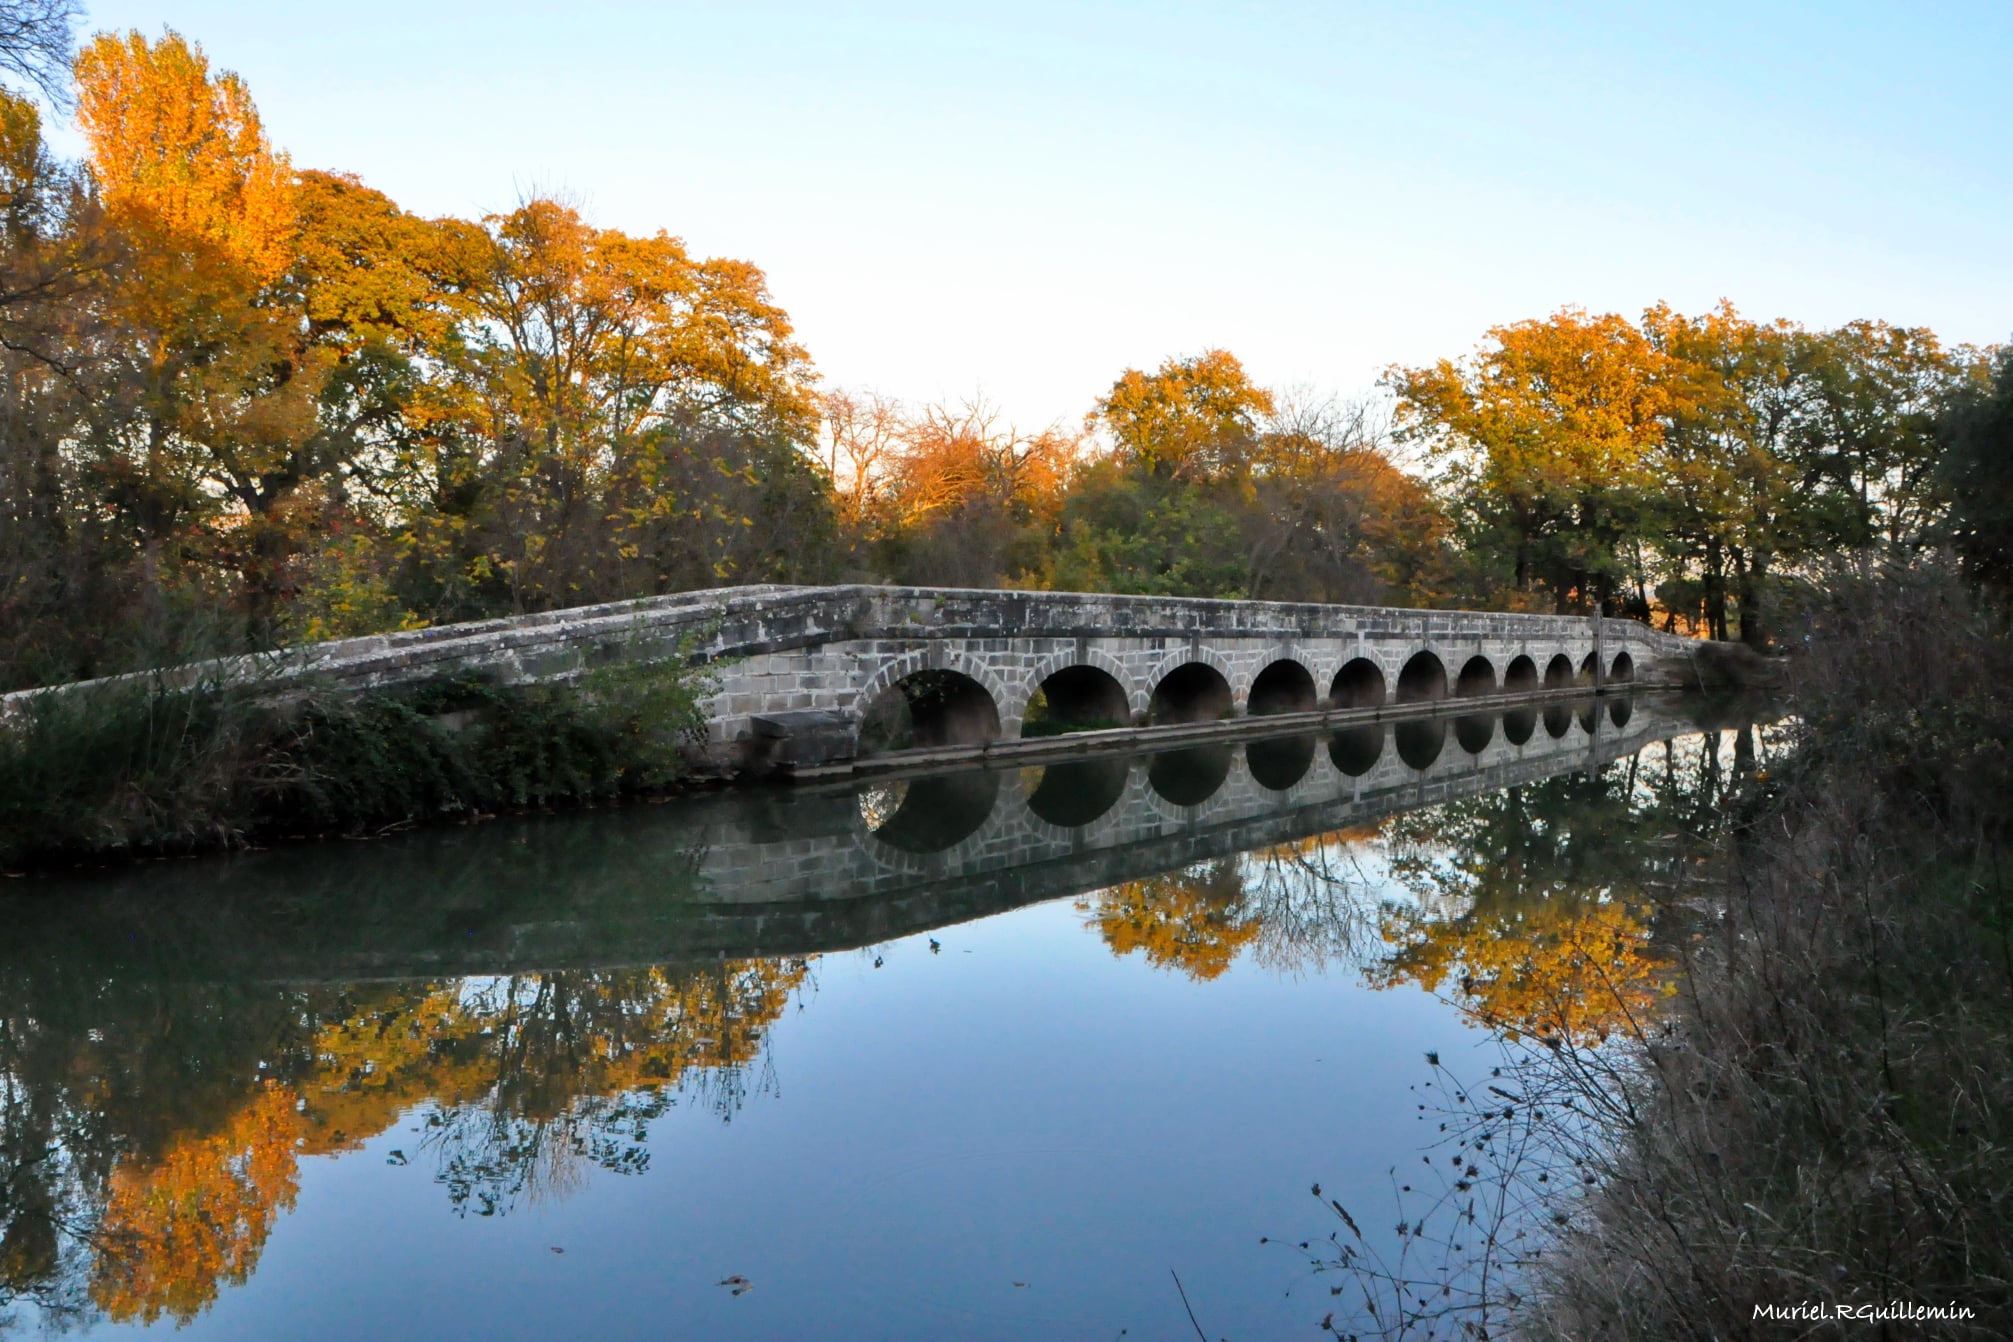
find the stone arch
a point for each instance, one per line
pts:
(1624, 669)
(1478, 676)
(1087, 655)
(1174, 660)
(1359, 684)
(1077, 697)
(1192, 691)
(935, 658)
(1521, 675)
(911, 704)
(1284, 686)
(1559, 673)
(1424, 679)
(1587, 665)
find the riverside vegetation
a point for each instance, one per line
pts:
(1813, 1113)
(131, 767)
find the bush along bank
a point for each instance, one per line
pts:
(1822, 1127)
(1812, 1134)
(136, 768)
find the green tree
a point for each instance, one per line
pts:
(1976, 469)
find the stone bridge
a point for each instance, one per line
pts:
(811, 675)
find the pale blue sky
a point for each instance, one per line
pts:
(1027, 198)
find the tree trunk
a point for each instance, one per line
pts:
(1753, 625)
(1715, 590)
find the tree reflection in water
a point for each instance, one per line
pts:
(526, 1081)
(1531, 906)
(151, 1127)
(1541, 908)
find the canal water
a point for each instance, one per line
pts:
(1046, 1052)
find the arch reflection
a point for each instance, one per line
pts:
(1558, 720)
(1420, 741)
(1474, 731)
(1356, 750)
(1076, 792)
(929, 817)
(1280, 762)
(1519, 725)
(1189, 777)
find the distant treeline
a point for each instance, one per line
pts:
(243, 404)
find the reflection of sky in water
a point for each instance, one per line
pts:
(1023, 1106)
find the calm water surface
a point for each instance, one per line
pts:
(989, 1054)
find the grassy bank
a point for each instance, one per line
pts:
(1824, 1118)
(134, 768)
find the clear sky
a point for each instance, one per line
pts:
(1027, 198)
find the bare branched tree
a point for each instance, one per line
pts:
(35, 44)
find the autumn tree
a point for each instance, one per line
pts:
(863, 434)
(970, 498)
(1544, 435)
(211, 399)
(1194, 418)
(35, 44)
(633, 405)
(1217, 487)
(1332, 518)
(54, 551)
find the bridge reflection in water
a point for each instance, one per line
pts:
(536, 992)
(802, 870)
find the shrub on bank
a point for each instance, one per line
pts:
(136, 767)
(1819, 1119)
(1825, 1117)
